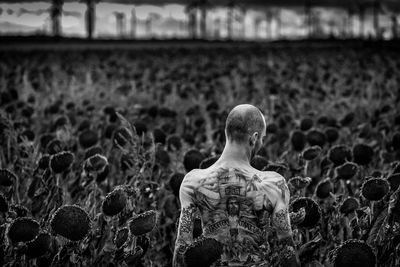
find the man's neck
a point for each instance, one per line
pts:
(234, 152)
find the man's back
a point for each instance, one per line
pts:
(235, 204)
(235, 200)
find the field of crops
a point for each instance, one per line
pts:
(95, 144)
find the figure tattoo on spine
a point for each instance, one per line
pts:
(185, 234)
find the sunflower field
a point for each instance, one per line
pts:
(95, 144)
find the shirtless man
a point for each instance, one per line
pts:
(234, 200)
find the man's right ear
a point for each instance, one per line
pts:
(251, 141)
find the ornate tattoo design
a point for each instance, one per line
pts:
(283, 187)
(281, 221)
(186, 223)
(235, 206)
(185, 234)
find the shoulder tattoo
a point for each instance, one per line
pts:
(281, 184)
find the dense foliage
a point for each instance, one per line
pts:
(95, 144)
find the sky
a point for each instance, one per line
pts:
(171, 21)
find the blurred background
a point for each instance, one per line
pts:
(202, 19)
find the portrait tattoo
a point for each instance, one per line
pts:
(233, 206)
(281, 221)
(186, 223)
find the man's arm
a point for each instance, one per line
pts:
(186, 219)
(281, 221)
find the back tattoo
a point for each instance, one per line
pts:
(235, 207)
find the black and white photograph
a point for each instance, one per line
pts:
(200, 133)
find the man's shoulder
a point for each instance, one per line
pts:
(192, 177)
(193, 174)
(274, 184)
(264, 176)
(270, 176)
(189, 183)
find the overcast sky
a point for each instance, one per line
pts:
(170, 20)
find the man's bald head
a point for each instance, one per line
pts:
(243, 121)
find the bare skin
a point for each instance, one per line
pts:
(233, 200)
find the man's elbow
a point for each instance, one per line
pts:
(178, 258)
(288, 253)
(286, 238)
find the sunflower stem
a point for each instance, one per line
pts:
(307, 235)
(134, 242)
(17, 189)
(371, 206)
(306, 168)
(343, 187)
(8, 150)
(2, 159)
(347, 228)
(58, 180)
(95, 199)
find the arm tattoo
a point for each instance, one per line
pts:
(185, 234)
(287, 254)
(186, 221)
(281, 221)
(180, 248)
